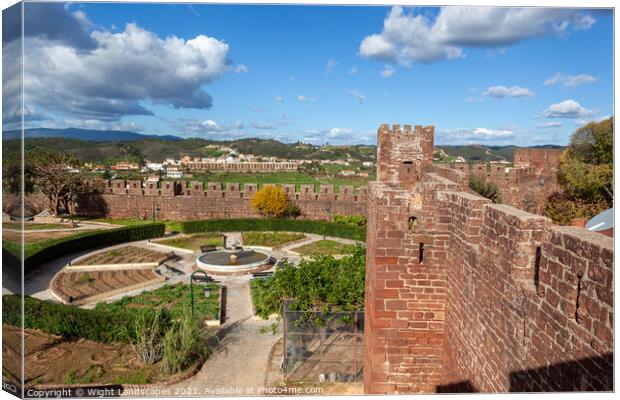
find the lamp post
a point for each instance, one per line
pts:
(191, 288)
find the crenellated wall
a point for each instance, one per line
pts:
(526, 185)
(464, 295)
(194, 200)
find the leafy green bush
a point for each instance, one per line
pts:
(480, 185)
(563, 208)
(38, 253)
(355, 220)
(259, 224)
(322, 283)
(72, 322)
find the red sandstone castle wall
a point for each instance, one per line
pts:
(542, 160)
(502, 301)
(529, 304)
(182, 201)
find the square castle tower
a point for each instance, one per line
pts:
(403, 155)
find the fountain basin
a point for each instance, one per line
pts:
(234, 261)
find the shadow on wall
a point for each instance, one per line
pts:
(92, 205)
(588, 374)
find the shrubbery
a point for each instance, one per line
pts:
(73, 322)
(270, 201)
(484, 188)
(322, 283)
(41, 252)
(259, 224)
(355, 220)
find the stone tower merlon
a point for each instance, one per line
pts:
(403, 154)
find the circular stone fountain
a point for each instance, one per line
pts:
(234, 261)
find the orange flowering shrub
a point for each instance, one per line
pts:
(270, 201)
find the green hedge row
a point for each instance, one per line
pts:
(71, 322)
(41, 252)
(260, 224)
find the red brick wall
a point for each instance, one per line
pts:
(502, 301)
(524, 311)
(181, 202)
(542, 160)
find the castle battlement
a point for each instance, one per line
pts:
(228, 190)
(466, 295)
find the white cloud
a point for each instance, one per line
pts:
(358, 95)
(209, 127)
(501, 91)
(330, 65)
(279, 99)
(569, 81)
(303, 98)
(409, 37)
(469, 135)
(549, 125)
(240, 69)
(567, 109)
(353, 70)
(388, 71)
(123, 71)
(340, 131)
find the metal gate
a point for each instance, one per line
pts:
(323, 346)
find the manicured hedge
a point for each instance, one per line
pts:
(71, 322)
(41, 252)
(290, 225)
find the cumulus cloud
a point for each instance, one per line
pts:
(358, 95)
(501, 91)
(569, 81)
(567, 109)
(279, 99)
(388, 71)
(353, 70)
(414, 38)
(105, 76)
(549, 125)
(469, 135)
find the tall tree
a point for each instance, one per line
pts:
(585, 174)
(56, 175)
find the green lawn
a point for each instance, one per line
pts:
(297, 178)
(270, 239)
(174, 298)
(325, 247)
(33, 226)
(193, 242)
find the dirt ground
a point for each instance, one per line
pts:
(123, 255)
(51, 360)
(82, 284)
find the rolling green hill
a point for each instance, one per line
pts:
(157, 150)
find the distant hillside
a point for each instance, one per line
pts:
(84, 134)
(111, 146)
(157, 149)
(481, 153)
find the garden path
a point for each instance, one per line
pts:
(238, 364)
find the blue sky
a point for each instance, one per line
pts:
(319, 73)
